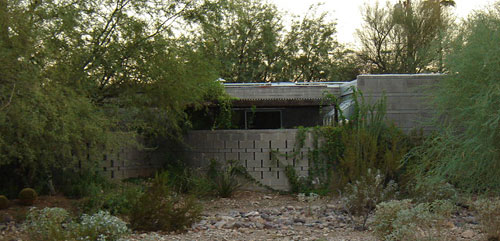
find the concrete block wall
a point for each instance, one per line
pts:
(252, 149)
(407, 97)
(129, 162)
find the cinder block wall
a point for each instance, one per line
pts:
(407, 97)
(129, 162)
(252, 149)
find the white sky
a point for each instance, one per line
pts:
(348, 12)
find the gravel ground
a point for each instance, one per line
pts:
(251, 215)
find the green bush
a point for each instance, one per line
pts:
(400, 220)
(465, 151)
(100, 226)
(28, 196)
(429, 190)
(160, 209)
(118, 200)
(488, 211)
(4, 202)
(56, 224)
(362, 196)
(48, 224)
(225, 178)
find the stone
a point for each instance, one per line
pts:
(468, 234)
(220, 224)
(299, 220)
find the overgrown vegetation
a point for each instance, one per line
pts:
(57, 224)
(343, 154)
(465, 150)
(362, 196)
(402, 220)
(160, 209)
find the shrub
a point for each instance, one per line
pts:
(400, 220)
(466, 150)
(100, 226)
(27, 196)
(4, 202)
(363, 195)
(47, 224)
(56, 224)
(160, 209)
(225, 178)
(118, 200)
(488, 211)
(429, 190)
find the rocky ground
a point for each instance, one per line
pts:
(267, 216)
(261, 216)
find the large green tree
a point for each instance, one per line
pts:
(76, 74)
(465, 151)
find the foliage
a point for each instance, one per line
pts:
(48, 224)
(225, 179)
(400, 220)
(362, 196)
(341, 154)
(429, 190)
(465, 150)
(161, 209)
(251, 44)
(100, 226)
(57, 224)
(116, 200)
(28, 196)
(488, 210)
(405, 38)
(4, 202)
(78, 78)
(84, 183)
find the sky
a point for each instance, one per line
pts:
(347, 13)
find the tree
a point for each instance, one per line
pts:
(465, 151)
(311, 51)
(244, 37)
(76, 76)
(404, 38)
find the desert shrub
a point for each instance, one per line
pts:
(342, 154)
(161, 209)
(4, 202)
(27, 196)
(429, 190)
(57, 224)
(400, 220)
(488, 211)
(84, 183)
(465, 151)
(48, 224)
(225, 178)
(362, 196)
(100, 226)
(118, 200)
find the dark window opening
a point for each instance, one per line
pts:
(263, 119)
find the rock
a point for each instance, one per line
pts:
(238, 225)
(219, 224)
(269, 225)
(226, 218)
(251, 214)
(259, 225)
(268, 197)
(299, 220)
(468, 234)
